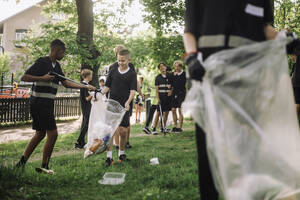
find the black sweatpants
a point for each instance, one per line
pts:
(84, 129)
(151, 113)
(208, 190)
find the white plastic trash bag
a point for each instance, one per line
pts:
(106, 115)
(245, 105)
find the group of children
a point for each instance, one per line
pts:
(170, 91)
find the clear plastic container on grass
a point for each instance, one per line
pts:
(112, 178)
(106, 115)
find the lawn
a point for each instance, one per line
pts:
(77, 179)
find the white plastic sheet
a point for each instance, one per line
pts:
(106, 115)
(245, 105)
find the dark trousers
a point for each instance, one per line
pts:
(208, 190)
(84, 129)
(151, 113)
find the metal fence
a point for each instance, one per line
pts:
(18, 109)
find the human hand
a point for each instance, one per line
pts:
(158, 101)
(127, 106)
(90, 87)
(195, 68)
(47, 77)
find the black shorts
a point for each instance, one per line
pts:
(177, 100)
(42, 113)
(297, 95)
(130, 110)
(126, 120)
(166, 103)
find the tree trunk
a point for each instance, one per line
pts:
(85, 38)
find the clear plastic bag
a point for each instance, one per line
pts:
(106, 115)
(245, 105)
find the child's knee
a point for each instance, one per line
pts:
(123, 131)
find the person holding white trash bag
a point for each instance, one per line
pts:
(212, 26)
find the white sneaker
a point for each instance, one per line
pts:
(44, 170)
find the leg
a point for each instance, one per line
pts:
(156, 119)
(151, 113)
(35, 140)
(136, 112)
(298, 109)
(48, 147)
(180, 118)
(208, 190)
(127, 137)
(165, 116)
(174, 117)
(123, 133)
(84, 129)
(117, 138)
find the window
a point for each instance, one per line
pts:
(20, 34)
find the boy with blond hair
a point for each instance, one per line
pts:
(122, 85)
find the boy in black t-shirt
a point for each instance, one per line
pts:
(163, 92)
(44, 90)
(85, 100)
(178, 94)
(122, 85)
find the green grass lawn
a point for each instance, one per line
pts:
(77, 179)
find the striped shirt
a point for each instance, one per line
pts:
(41, 89)
(162, 82)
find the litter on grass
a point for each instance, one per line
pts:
(112, 178)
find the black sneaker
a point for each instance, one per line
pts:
(179, 130)
(79, 146)
(117, 147)
(174, 130)
(166, 130)
(109, 162)
(123, 158)
(128, 146)
(146, 130)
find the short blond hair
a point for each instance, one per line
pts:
(179, 62)
(85, 73)
(119, 48)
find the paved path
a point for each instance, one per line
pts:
(10, 134)
(25, 132)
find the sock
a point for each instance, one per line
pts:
(154, 129)
(23, 160)
(121, 152)
(109, 154)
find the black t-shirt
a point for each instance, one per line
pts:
(221, 24)
(179, 82)
(296, 73)
(120, 84)
(40, 89)
(85, 105)
(162, 82)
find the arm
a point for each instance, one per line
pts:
(69, 84)
(31, 78)
(157, 95)
(105, 90)
(131, 96)
(139, 89)
(190, 43)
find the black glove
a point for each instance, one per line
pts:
(294, 46)
(196, 70)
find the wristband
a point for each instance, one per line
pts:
(185, 55)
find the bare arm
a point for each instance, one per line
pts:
(157, 95)
(30, 78)
(131, 96)
(105, 90)
(139, 89)
(69, 84)
(190, 43)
